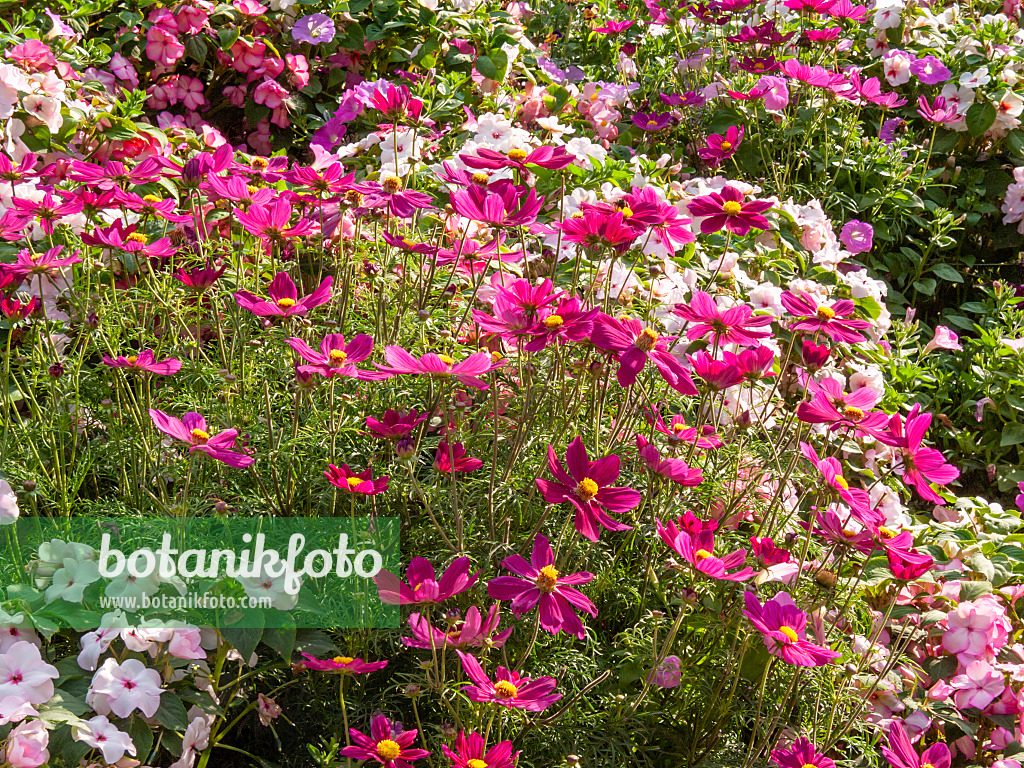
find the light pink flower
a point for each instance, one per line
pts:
(23, 673)
(27, 746)
(943, 339)
(123, 688)
(969, 629)
(103, 735)
(978, 686)
(163, 47)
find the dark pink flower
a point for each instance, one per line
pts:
(46, 211)
(191, 428)
(335, 358)
(542, 585)
(716, 374)
(677, 430)
(423, 586)
(554, 158)
(917, 465)
(595, 230)
(471, 752)
(829, 404)
(361, 484)
(473, 631)
(453, 458)
(270, 222)
(145, 361)
(635, 345)
(729, 210)
(503, 205)
(46, 263)
(731, 326)
(676, 470)
(832, 473)
(587, 486)
(285, 301)
(829, 320)
(467, 372)
(698, 550)
(510, 689)
(399, 202)
(388, 749)
(652, 121)
(614, 27)
(901, 753)
(803, 755)
(720, 147)
(784, 628)
(568, 322)
(342, 664)
(395, 424)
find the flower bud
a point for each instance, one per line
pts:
(405, 448)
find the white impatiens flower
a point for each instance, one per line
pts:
(46, 109)
(99, 733)
(9, 510)
(25, 675)
(123, 688)
(14, 709)
(975, 79)
(69, 582)
(196, 739)
(268, 588)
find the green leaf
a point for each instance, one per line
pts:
(171, 714)
(980, 117)
(971, 590)
(486, 67)
(244, 639)
(195, 47)
(228, 36)
(1015, 140)
(1013, 434)
(925, 285)
(281, 640)
(142, 737)
(947, 272)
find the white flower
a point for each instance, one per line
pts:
(556, 128)
(8, 504)
(24, 674)
(93, 644)
(14, 709)
(69, 582)
(975, 79)
(269, 588)
(887, 17)
(44, 108)
(196, 739)
(99, 733)
(123, 688)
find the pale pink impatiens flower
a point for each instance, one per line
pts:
(124, 688)
(99, 733)
(978, 686)
(969, 628)
(27, 746)
(162, 47)
(24, 674)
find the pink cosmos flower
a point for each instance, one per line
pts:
(720, 147)
(47, 263)
(731, 326)
(635, 345)
(473, 631)
(191, 428)
(918, 466)
(832, 473)
(335, 358)
(453, 458)
(678, 432)
(595, 230)
(391, 750)
(729, 210)
(901, 754)
(554, 158)
(830, 404)
(676, 470)
(423, 587)
(669, 673)
(270, 222)
(943, 339)
(587, 486)
(716, 374)
(939, 111)
(395, 424)
(123, 688)
(830, 320)
(361, 484)
(510, 690)
(345, 665)
(568, 322)
(542, 584)
(857, 236)
(284, 298)
(978, 686)
(144, 361)
(467, 372)
(471, 752)
(698, 550)
(783, 626)
(801, 755)
(503, 205)
(652, 121)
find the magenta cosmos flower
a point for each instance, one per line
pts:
(728, 210)
(343, 664)
(784, 626)
(918, 466)
(361, 484)
(697, 548)
(395, 424)
(635, 345)
(335, 358)
(542, 584)
(503, 205)
(731, 326)
(191, 428)
(901, 754)
(471, 752)
(720, 147)
(144, 361)
(510, 689)
(676, 470)
(453, 458)
(423, 586)
(467, 371)
(46, 263)
(284, 298)
(474, 631)
(391, 750)
(270, 222)
(587, 486)
(830, 320)
(554, 158)
(595, 230)
(802, 755)
(830, 404)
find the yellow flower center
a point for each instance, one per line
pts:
(391, 184)
(337, 358)
(726, 145)
(342, 659)
(150, 199)
(678, 427)
(732, 208)
(626, 212)
(853, 414)
(927, 765)
(886, 533)
(517, 154)
(354, 481)
(260, 163)
(759, 66)
(790, 633)
(388, 750)
(841, 481)
(480, 178)
(701, 554)
(646, 340)
(447, 360)
(553, 321)
(651, 123)
(577, 215)
(587, 489)
(475, 763)
(285, 303)
(825, 313)
(35, 256)
(252, 190)
(547, 579)
(199, 436)
(812, 765)
(132, 359)
(137, 237)
(505, 690)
